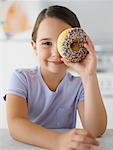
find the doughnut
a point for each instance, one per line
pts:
(70, 44)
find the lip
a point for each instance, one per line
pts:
(56, 62)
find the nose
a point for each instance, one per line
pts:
(54, 51)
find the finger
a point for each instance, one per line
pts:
(85, 140)
(92, 52)
(85, 147)
(81, 131)
(74, 145)
(89, 49)
(90, 43)
(80, 146)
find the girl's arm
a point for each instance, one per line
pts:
(92, 110)
(95, 118)
(22, 129)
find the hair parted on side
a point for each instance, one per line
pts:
(59, 12)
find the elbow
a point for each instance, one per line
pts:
(97, 133)
(12, 132)
(100, 131)
(102, 128)
(13, 129)
(97, 130)
(12, 135)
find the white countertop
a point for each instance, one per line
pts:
(7, 143)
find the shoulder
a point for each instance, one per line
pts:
(26, 72)
(25, 75)
(74, 82)
(74, 78)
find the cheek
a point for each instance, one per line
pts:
(43, 54)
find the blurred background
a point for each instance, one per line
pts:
(17, 18)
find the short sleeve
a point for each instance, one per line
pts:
(17, 85)
(80, 94)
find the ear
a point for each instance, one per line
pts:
(33, 44)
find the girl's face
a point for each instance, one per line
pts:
(46, 45)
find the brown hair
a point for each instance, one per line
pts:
(55, 11)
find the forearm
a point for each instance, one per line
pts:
(94, 110)
(25, 131)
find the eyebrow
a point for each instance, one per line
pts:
(44, 39)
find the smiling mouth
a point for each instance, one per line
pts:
(56, 62)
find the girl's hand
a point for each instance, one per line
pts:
(88, 65)
(75, 139)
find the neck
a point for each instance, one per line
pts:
(52, 80)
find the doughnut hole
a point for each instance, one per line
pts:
(75, 45)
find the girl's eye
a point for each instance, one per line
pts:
(46, 44)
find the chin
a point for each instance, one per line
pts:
(57, 70)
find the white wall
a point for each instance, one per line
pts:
(95, 16)
(13, 54)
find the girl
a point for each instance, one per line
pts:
(48, 97)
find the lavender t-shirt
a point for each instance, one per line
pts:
(45, 107)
